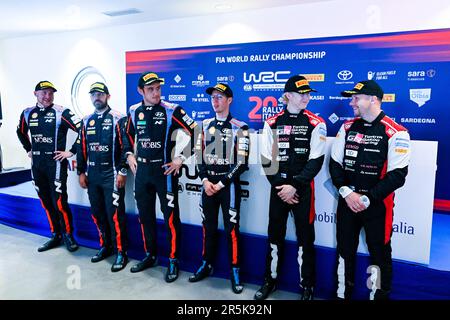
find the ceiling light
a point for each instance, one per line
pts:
(223, 6)
(123, 12)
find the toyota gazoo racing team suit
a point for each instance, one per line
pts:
(48, 129)
(149, 134)
(293, 147)
(371, 159)
(222, 150)
(100, 157)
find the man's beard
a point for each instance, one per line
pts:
(99, 105)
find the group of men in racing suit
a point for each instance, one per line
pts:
(369, 161)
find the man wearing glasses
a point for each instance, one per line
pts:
(224, 150)
(103, 172)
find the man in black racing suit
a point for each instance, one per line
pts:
(103, 171)
(369, 161)
(293, 146)
(223, 151)
(48, 124)
(152, 132)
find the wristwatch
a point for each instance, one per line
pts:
(123, 171)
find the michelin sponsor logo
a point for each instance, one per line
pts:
(420, 96)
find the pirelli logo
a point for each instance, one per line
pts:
(358, 86)
(301, 83)
(315, 77)
(220, 87)
(389, 97)
(149, 76)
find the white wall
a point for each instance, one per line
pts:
(58, 57)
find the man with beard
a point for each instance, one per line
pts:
(103, 172)
(48, 125)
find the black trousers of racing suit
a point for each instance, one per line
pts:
(229, 199)
(376, 170)
(303, 214)
(50, 181)
(108, 208)
(348, 227)
(151, 181)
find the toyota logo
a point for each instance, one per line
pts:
(345, 75)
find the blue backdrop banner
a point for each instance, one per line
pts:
(413, 68)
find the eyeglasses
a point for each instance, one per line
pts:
(217, 96)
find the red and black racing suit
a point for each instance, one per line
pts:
(48, 128)
(100, 157)
(371, 159)
(224, 147)
(293, 147)
(149, 131)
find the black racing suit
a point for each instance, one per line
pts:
(224, 147)
(293, 149)
(150, 132)
(48, 128)
(100, 157)
(371, 159)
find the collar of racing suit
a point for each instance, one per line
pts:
(145, 106)
(377, 119)
(290, 114)
(225, 120)
(104, 112)
(40, 106)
